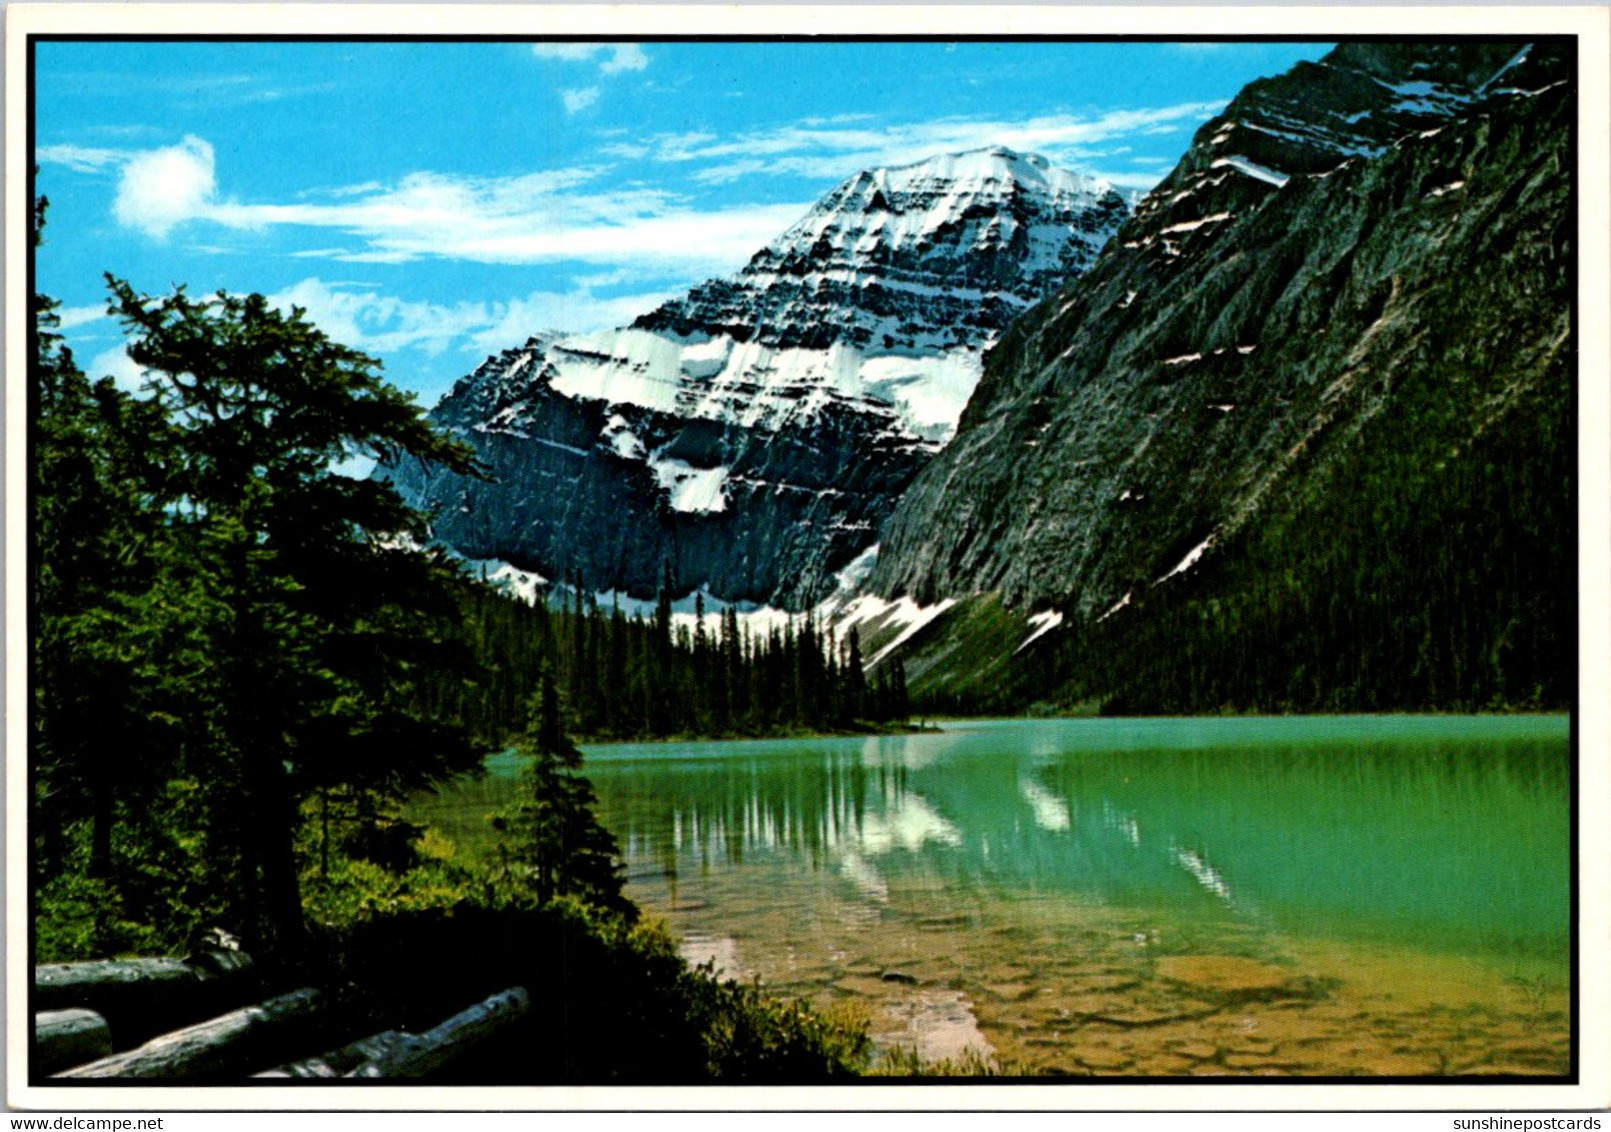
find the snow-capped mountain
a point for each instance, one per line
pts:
(913, 261)
(755, 432)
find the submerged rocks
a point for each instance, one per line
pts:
(1231, 978)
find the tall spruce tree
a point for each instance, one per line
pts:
(321, 614)
(554, 834)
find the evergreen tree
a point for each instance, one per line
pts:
(855, 678)
(113, 659)
(554, 834)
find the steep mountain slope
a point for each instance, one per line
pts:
(1364, 264)
(755, 433)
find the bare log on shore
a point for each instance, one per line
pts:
(141, 997)
(435, 1050)
(339, 1063)
(229, 1044)
(69, 1037)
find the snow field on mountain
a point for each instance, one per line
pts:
(697, 490)
(752, 385)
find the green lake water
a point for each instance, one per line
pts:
(1384, 896)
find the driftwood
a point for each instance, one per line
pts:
(141, 997)
(339, 1063)
(230, 1043)
(69, 1037)
(423, 1055)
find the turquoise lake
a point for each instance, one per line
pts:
(1332, 896)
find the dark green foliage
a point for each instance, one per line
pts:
(224, 625)
(1435, 573)
(318, 613)
(628, 678)
(552, 836)
(612, 1003)
(114, 660)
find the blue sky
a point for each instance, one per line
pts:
(434, 203)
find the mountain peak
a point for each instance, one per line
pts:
(986, 166)
(913, 259)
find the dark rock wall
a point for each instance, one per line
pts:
(1236, 332)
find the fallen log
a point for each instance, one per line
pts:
(69, 1037)
(229, 1044)
(142, 997)
(426, 1054)
(340, 1062)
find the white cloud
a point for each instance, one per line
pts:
(618, 57)
(568, 214)
(366, 320)
(568, 52)
(625, 57)
(625, 150)
(577, 100)
(385, 324)
(127, 374)
(165, 187)
(612, 59)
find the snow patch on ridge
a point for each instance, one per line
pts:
(1253, 169)
(523, 584)
(1193, 225)
(1114, 608)
(1044, 623)
(903, 611)
(694, 490)
(1191, 559)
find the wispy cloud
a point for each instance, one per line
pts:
(83, 159)
(69, 318)
(188, 89)
(611, 59)
(827, 148)
(385, 324)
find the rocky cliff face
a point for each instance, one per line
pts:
(755, 433)
(1391, 216)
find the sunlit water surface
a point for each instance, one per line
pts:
(1380, 896)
